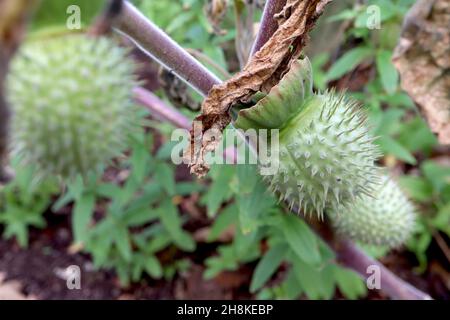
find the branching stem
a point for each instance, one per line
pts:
(157, 44)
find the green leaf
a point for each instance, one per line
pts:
(53, 13)
(225, 218)
(438, 175)
(387, 71)
(74, 192)
(301, 239)
(248, 178)
(188, 188)
(123, 243)
(82, 215)
(349, 283)
(252, 206)
(291, 285)
(267, 266)
(317, 283)
(348, 62)
(391, 146)
(140, 216)
(165, 175)
(109, 190)
(180, 20)
(219, 190)
(140, 162)
(415, 135)
(442, 219)
(417, 188)
(165, 151)
(170, 219)
(387, 122)
(153, 267)
(346, 14)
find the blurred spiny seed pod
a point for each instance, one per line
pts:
(327, 155)
(387, 218)
(72, 103)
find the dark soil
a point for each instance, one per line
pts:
(37, 266)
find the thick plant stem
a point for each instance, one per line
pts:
(352, 257)
(150, 38)
(268, 24)
(160, 109)
(153, 41)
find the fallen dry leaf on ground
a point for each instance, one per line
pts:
(423, 59)
(264, 70)
(11, 290)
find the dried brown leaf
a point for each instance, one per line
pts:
(11, 290)
(422, 58)
(264, 70)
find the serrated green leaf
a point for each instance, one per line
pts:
(391, 146)
(417, 188)
(140, 216)
(153, 267)
(165, 175)
(123, 243)
(349, 283)
(387, 71)
(170, 219)
(438, 175)
(348, 62)
(317, 283)
(219, 190)
(225, 218)
(252, 206)
(82, 215)
(301, 239)
(267, 266)
(53, 13)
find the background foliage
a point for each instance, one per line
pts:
(130, 219)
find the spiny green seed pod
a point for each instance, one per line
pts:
(327, 155)
(387, 218)
(72, 103)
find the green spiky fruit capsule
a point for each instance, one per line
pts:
(327, 155)
(72, 103)
(387, 218)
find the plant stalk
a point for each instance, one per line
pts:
(157, 44)
(268, 24)
(354, 258)
(160, 109)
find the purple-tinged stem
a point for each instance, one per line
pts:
(352, 257)
(153, 41)
(268, 24)
(160, 109)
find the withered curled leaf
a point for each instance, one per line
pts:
(264, 70)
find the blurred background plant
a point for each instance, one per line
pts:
(145, 218)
